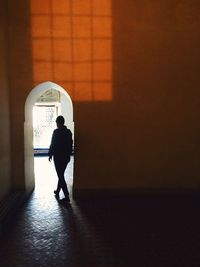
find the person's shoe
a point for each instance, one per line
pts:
(56, 194)
(65, 201)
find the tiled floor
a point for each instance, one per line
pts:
(119, 232)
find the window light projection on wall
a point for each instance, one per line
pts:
(72, 46)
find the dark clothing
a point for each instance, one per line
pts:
(61, 143)
(61, 165)
(61, 149)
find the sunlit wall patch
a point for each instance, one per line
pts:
(72, 46)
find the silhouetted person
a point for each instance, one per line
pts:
(61, 150)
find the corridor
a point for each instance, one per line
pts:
(119, 232)
(46, 233)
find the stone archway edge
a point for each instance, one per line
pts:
(38, 90)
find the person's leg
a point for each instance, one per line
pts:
(57, 191)
(60, 165)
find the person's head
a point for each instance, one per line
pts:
(60, 121)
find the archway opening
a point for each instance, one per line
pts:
(43, 104)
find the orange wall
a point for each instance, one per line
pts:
(146, 135)
(72, 45)
(5, 179)
(20, 80)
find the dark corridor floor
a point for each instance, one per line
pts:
(119, 232)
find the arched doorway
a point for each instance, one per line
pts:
(66, 110)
